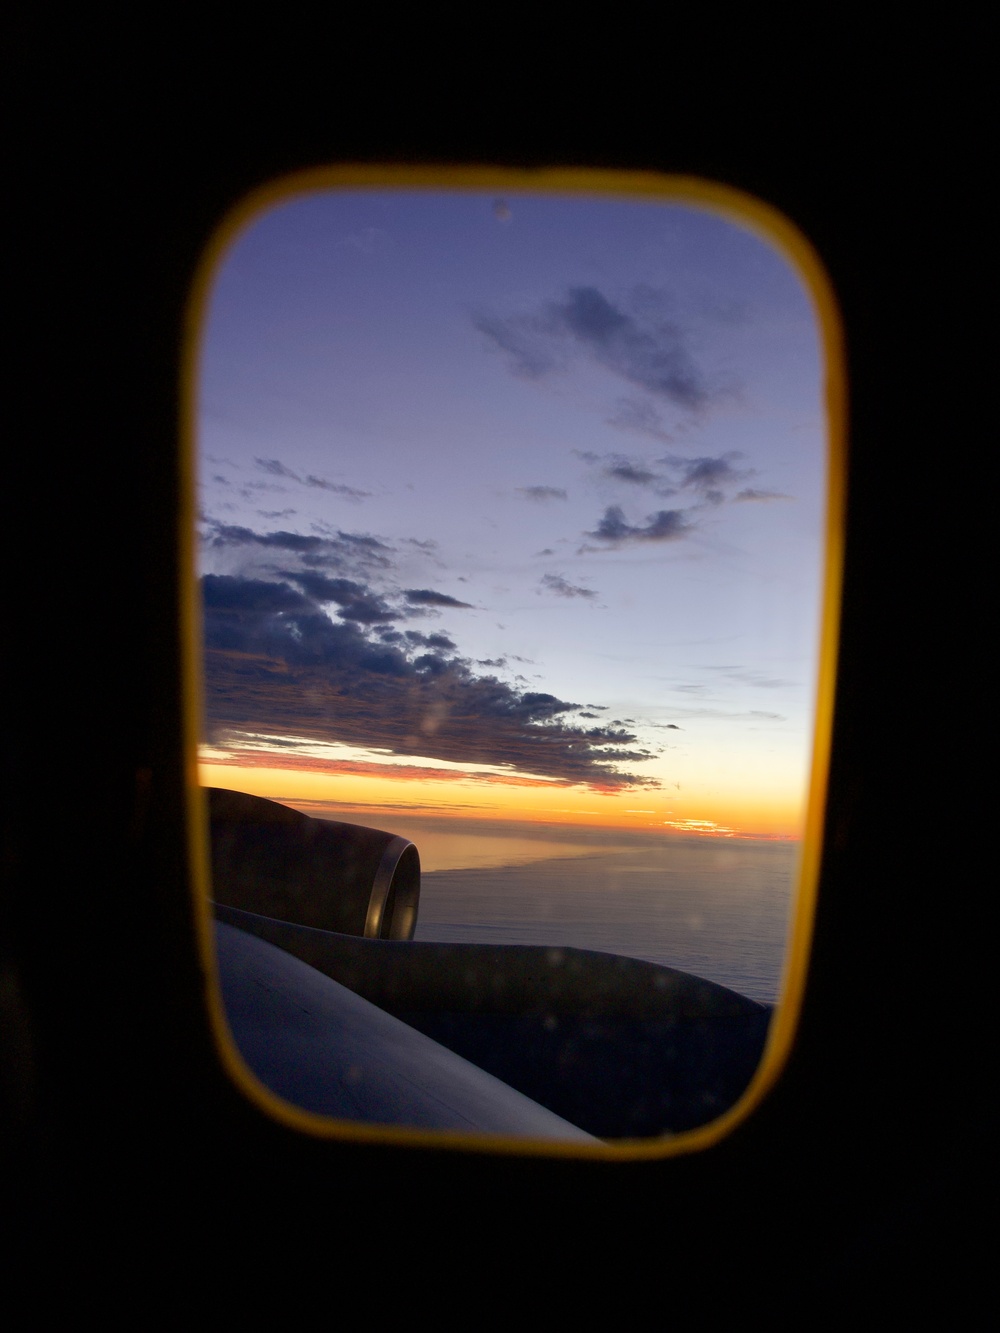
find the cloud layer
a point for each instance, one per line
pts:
(311, 653)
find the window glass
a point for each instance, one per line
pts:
(511, 547)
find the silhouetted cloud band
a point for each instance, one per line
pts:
(276, 662)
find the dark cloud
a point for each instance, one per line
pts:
(626, 471)
(336, 488)
(331, 570)
(224, 596)
(355, 601)
(709, 478)
(428, 597)
(638, 345)
(542, 493)
(654, 357)
(331, 552)
(253, 489)
(664, 526)
(275, 662)
(361, 541)
(707, 475)
(413, 636)
(275, 468)
(325, 563)
(557, 584)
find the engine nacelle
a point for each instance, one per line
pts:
(276, 862)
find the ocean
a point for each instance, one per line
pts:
(718, 909)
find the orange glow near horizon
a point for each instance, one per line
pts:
(457, 794)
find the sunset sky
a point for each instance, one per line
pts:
(511, 509)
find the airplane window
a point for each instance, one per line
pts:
(512, 547)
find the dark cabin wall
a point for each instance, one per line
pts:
(132, 1155)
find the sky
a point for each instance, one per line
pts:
(511, 509)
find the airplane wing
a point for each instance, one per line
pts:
(326, 1049)
(515, 1039)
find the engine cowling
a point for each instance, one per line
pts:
(274, 861)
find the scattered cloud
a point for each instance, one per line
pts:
(669, 474)
(758, 679)
(709, 480)
(763, 496)
(628, 337)
(707, 476)
(651, 355)
(320, 552)
(665, 525)
(562, 588)
(707, 827)
(414, 638)
(721, 714)
(623, 470)
(529, 343)
(428, 597)
(275, 468)
(744, 675)
(639, 415)
(337, 488)
(541, 494)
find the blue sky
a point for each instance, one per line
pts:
(527, 449)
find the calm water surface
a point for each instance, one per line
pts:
(718, 909)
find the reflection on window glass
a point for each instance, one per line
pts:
(511, 549)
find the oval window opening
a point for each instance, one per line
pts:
(514, 561)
